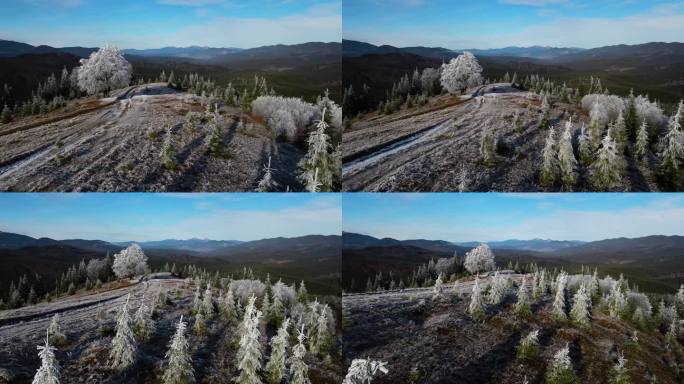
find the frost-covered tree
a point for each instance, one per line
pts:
(579, 312)
(606, 171)
(299, 371)
(619, 374)
(545, 111)
(267, 184)
(207, 307)
(560, 371)
(132, 261)
(549, 167)
(302, 294)
(620, 131)
(479, 259)
(227, 306)
(461, 73)
(323, 333)
(617, 302)
(168, 152)
(179, 362)
(594, 289)
(476, 307)
(200, 325)
(522, 306)
(558, 309)
(362, 371)
(672, 154)
(641, 141)
(197, 300)
(566, 158)
(585, 148)
(318, 164)
(105, 70)
(143, 325)
(497, 290)
(48, 372)
(529, 346)
(438, 285)
(429, 81)
(58, 338)
(249, 347)
(275, 368)
(124, 349)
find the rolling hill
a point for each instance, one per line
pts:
(303, 70)
(653, 262)
(654, 68)
(313, 258)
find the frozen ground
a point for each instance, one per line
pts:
(114, 144)
(435, 337)
(88, 320)
(427, 148)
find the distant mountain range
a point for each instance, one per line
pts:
(351, 48)
(656, 68)
(357, 241)
(656, 262)
(301, 70)
(10, 241)
(12, 49)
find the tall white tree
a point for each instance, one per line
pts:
(476, 307)
(579, 312)
(122, 353)
(522, 306)
(55, 330)
(48, 372)
(267, 184)
(132, 261)
(438, 285)
(672, 154)
(497, 290)
(318, 166)
(227, 306)
(606, 171)
(479, 259)
(179, 368)
(617, 302)
(642, 141)
(143, 325)
(549, 168)
(585, 147)
(105, 70)
(461, 73)
(207, 307)
(249, 350)
(323, 332)
(558, 309)
(560, 371)
(529, 346)
(275, 368)
(566, 158)
(362, 371)
(299, 371)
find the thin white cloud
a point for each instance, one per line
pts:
(662, 23)
(191, 3)
(534, 3)
(56, 3)
(664, 216)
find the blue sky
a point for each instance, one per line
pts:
(158, 23)
(490, 216)
(150, 216)
(459, 24)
